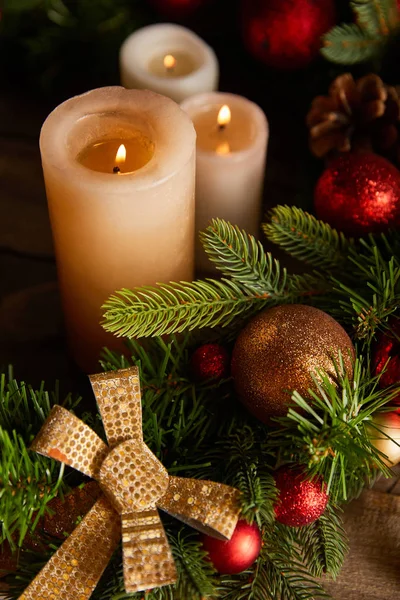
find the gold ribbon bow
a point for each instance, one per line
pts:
(135, 484)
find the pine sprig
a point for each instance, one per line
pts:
(252, 476)
(377, 21)
(372, 293)
(241, 257)
(278, 573)
(175, 307)
(374, 16)
(28, 482)
(307, 239)
(329, 434)
(325, 544)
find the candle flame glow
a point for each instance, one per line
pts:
(120, 157)
(224, 115)
(169, 62)
(223, 148)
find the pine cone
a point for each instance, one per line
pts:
(362, 114)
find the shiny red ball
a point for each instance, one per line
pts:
(237, 554)
(359, 194)
(388, 346)
(210, 361)
(286, 34)
(300, 501)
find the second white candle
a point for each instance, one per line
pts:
(230, 163)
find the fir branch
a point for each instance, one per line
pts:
(277, 575)
(27, 484)
(373, 295)
(28, 481)
(307, 239)
(374, 16)
(241, 257)
(329, 434)
(376, 22)
(349, 44)
(175, 307)
(196, 575)
(252, 476)
(324, 544)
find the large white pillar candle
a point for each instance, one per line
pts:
(232, 137)
(119, 169)
(168, 59)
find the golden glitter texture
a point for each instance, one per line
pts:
(134, 483)
(279, 350)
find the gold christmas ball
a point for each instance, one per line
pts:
(279, 350)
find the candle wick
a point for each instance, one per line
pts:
(116, 169)
(221, 127)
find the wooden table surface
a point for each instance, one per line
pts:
(31, 334)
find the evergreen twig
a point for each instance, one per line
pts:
(306, 238)
(175, 307)
(329, 434)
(376, 22)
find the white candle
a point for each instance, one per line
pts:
(168, 59)
(385, 436)
(117, 221)
(232, 137)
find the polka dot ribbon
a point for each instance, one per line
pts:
(135, 485)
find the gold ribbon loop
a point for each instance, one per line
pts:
(74, 570)
(209, 507)
(66, 438)
(119, 400)
(134, 483)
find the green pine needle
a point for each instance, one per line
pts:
(325, 544)
(28, 481)
(329, 434)
(349, 44)
(376, 21)
(241, 257)
(307, 239)
(256, 282)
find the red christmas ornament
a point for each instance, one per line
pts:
(210, 361)
(237, 554)
(359, 194)
(286, 34)
(388, 346)
(300, 501)
(177, 9)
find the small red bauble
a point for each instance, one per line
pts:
(359, 194)
(388, 346)
(210, 361)
(300, 501)
(286, 34)
(237, 554)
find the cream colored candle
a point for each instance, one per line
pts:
(168, 59)
(232, 137)
(119, 172)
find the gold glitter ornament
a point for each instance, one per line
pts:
(279, 350)
(134, 485)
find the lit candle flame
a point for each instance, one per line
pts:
(223, 148)
(169, 62)
(120, 157)
(224, 115)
